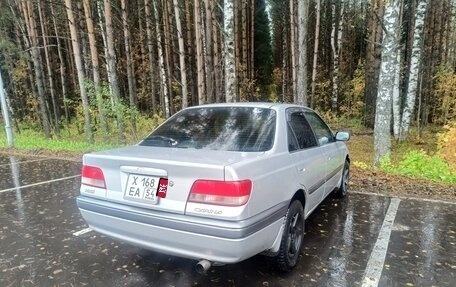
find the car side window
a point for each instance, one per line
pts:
(322, 131)
(300, 134)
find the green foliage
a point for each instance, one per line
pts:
(72, 137)
(114, 114)
(445, 96)
(353, 95)
(446, 144)
(323, 88)
(419, 164)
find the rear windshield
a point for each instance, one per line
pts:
(245, 129)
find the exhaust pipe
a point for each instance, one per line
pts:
(202, 266)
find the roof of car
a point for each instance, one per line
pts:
(252, 104)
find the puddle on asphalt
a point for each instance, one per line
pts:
(423, 253)
(19, 172)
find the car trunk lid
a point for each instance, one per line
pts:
(131, 174)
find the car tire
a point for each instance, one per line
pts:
(342, 190)
(292, 238)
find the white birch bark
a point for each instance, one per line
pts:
(161, 63)
(336, 42)
(315, 55)
(293, 51)
(396, 103)
(150, 52)
(100, 11)
(301, 75)
(414, 70)
(183, 67)
(382, 141)
(201, 73)
(230, 65)
(208, 53)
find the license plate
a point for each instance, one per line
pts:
(141, 188)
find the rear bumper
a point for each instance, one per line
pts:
(182, 235)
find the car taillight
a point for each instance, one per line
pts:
(92, 176)
(228, 193)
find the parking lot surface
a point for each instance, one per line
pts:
(362, 240)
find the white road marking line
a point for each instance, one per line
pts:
(404, 197)
(40, 183)
(24, 161)
(377, 258)
(83, 231)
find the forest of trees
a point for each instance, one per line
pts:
(103, 62)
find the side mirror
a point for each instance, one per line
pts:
(342, 136)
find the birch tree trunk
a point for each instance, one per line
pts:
(252, 43)
(396, 103)
(150, 52)
(192, 87)
(230, 64)
(183, 67)
(79, 69)
(315, 55)
(396, 100)
(414, 70)
(302, 53)
(285, 67)
(237, 26)
(336, 41)
(382, 141)
(161, 63)
(199, 54)
(82, 38)
(243, 83)
(101, 24)
(208, 57)
(293, 51)
(219, 89)
(169, 63)
(95, 67)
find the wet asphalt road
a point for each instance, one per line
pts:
(38, 219)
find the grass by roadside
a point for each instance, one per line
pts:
(30, 140)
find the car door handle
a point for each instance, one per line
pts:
(302, 169)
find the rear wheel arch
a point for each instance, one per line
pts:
(301, 196)
(292, 237)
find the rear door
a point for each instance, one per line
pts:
(306, 156)
(328, 145)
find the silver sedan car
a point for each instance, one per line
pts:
(218, 183)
